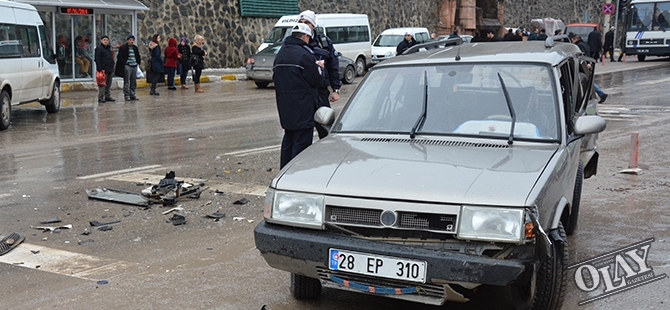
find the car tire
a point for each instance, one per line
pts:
(349, 74)
(303, 287)
(641, 57)
(360, 66)
(262, 84)
(5, 110)
(571, 226)
(52, 104)
(550, 280)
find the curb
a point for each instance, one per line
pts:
(142, 83)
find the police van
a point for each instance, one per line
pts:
(29, 69)
(350, 34)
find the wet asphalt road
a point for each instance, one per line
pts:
(229, 137)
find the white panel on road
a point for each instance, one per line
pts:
(106, 174)
(64, 263)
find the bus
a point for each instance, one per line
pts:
(647, 28)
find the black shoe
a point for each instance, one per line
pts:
(154, 93)
(134, 98)
(603, 98)
(101, 100)
(110, 99)
(172, 88)
(127, 98)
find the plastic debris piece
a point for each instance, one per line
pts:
(102, 282)
(241, 201)
(86, 233)
(218, 192)
(216, 215)
(52, 228)
(178, 208)
(10, 242)
(96, 223)
(85, 242)
(105, 228)
(177, 219)
(35, 252)
(50, 220)
(239, 218)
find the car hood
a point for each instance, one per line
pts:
(419, 170)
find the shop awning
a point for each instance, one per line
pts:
(131, 5)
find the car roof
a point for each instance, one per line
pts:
(403, 30)
(527, 51)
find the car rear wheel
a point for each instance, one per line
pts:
(549, 280)
(360, 66)
(262, 84)
(641, 57)
(576, 198)
(305, 287)
(349, 74)
(52, 104)
(5, 110)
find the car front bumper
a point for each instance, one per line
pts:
(302, 251)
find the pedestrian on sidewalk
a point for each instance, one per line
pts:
(105, 62)
(127, 62)
(609, 44)
(171, 58)
(184, 60)
(155, 69)
(595, 43)
(198, 61)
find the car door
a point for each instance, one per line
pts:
(49, 66)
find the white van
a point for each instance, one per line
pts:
(386, 43)
(350, 34)
(29, 69)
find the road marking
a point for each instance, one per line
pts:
(227, 187)
(122, 171)
(254, 151)
(654, 82)
(65, 263)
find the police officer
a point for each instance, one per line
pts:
(324, 50)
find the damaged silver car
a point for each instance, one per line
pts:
(447, 170)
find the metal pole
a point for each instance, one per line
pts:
(616, 22)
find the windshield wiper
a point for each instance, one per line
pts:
(422, 117)
(510, 140)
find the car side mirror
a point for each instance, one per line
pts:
(589, 124)
(339, 54)
(324, 116)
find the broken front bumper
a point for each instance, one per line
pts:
(306, 252)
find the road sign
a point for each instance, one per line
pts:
(608, 8)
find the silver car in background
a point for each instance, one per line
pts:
(447, 170)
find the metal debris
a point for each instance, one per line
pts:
(52, 228)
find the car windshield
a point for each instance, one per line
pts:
(388, 40)
(272, 49)
(277, 34)
(462, 99)
(649, 16)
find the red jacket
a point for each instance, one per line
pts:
(171, 54)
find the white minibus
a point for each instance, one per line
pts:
(350, 34)
(28, 68)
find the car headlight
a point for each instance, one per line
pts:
(491, 224)
(389, 54)
(295, 209)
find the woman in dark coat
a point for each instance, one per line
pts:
(184, 60)
(199, 64)
(156, 61)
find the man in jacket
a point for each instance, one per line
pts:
(492, 36)
(609, 43)
(126, 66)
(297, 76)
(324, 50)
(105, 62)
(405, 44)
(595, 43)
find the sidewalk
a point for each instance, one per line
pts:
(208, 76)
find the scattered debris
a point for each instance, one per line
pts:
(102, 282)
(241, 201)
(218, 192)
(52, 228)
(10, 242)
(177, 219)
(86, 233)
(85, 242)
(96, 223)
(169, 190)
(216, 215)
(51, 220)
(35, 252)
(177, 208)
(242, 218)
(105, 228)
(117, 195)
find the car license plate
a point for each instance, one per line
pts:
(377, 265)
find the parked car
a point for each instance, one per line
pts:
(448, 170)
(259, 66)
(465, 37)
(384, 46)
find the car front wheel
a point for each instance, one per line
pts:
(349, 75)
(305, 287)
(5, 110)
(549, 280)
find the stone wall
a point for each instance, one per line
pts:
(230, 38)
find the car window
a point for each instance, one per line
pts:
(29, 41)
(463, 99)
(277, 34)
(388, 40)
(10, 45)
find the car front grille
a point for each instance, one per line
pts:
(442, 223)
(430, 290)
